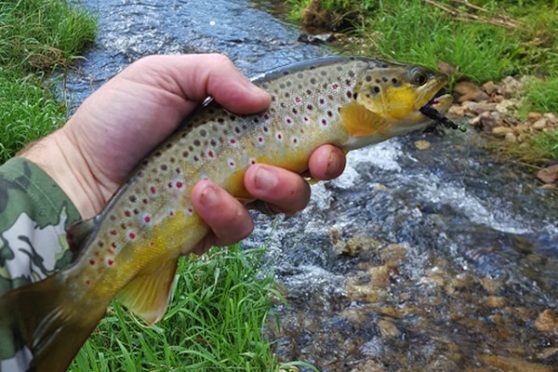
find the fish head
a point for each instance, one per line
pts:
(387, 102)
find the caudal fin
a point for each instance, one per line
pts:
(52, 326)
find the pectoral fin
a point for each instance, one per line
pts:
(361, 122)
(147, 295)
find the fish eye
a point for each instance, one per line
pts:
(418, 76)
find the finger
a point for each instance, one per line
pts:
(194, 77)
(286, 190)
(225, 216)
(326, 162)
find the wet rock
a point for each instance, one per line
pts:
(468, 91)
(369, 366)
(422, 144)
(548, 175)
(354, 246)
(316, 39)
(380, 275)
(363, 292)
(388, 329)
(547, 321)
(521, 313)
(393, 255)
(490, 285)
(513, 364)
(495, 302)
(548, 353)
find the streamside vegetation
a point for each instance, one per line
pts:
(480, 40)
(36, 37)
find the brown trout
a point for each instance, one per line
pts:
(130, 250)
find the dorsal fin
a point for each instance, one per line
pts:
(78, 233)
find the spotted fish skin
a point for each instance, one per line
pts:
(220, 146)
(131, 249)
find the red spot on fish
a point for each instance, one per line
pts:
(147, 219)
(298, 99)
(127, 213)
(110, 262)
(210, 154)
(179, 184)
(131, 235)
(335, 85)
(232, 141)
(92, 262)
(349, 94)
(153, 190)
(113, 232)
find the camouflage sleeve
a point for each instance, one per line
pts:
(34, 214)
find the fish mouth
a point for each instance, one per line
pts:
(437, 107)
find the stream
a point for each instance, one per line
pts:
(441, 259)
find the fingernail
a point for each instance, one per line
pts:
(208, 196)
(264, 179)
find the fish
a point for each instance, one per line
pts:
(130, 250)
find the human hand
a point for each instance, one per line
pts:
(122, 122)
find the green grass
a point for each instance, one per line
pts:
(41, 34)
(214, 322)
(27, 112)
(36, 36)
(542, 95)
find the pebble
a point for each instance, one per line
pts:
(510, 137)
(495, 301)
(489, 87)
(547, 321)
(548, 175)
(539, 124)
(548, 353)
(501, 131)
(388, 329)
(534, 116)
(468, 91)
(422, 144)
(512, 364)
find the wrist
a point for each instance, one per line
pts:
(61, 159)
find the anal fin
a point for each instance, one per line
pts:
(148, 294)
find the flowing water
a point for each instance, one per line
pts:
(439, 259)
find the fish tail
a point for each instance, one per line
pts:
(49, 322)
